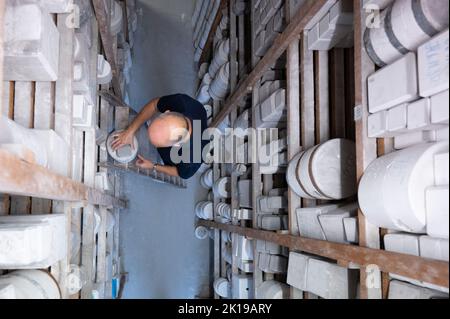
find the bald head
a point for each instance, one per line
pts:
(168, 129)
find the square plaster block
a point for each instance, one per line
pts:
(419, 116)
(409, 139)
(31, 49)
(245, 193)
(434, 248)
(298, 270)
(378, 124)
(268, 247)
(404, 290)
(242, 286)
(437, 201)
(272, 223)
(394, 84)
(402, 243)
(42, 240)
(441, 169)
(433, 61)
(397, 120)
(332, 223)
(330, 281)
(272, 264)
(439, 108)
(308, 221)
(315, 42)
(351, 230)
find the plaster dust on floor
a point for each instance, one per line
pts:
(157, 241)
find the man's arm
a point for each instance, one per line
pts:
(126, 137)
(145, 163)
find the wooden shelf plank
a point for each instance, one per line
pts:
(21, 178)
(426, 270)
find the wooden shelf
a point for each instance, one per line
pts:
(322, 91)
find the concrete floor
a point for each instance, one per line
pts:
(158, 246)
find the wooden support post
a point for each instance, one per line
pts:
(101, 13)
(366, 150)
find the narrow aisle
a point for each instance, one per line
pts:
(158, 245)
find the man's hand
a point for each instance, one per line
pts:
(123, 138)
(141, 162)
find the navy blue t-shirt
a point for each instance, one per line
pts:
(194, 111)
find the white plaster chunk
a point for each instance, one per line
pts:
(351, 230)
(245, 193)
(333, 223)
(433, 61)
(49, 149)
(330, 281)
(246, 266)
(442, 134)
(437, 201)
(419, 116)
(274, 222)
(378, 124)
(102, 181)
(342, 13)
(32, 241)
(439, 108)
(402, 243)
(272, 264)
(31, 49)
(308, 221)
(242, 286)
(394, 84)
(410, 139)
(397, 119)
(57, 6)
(403, 290)
(7, 291)
(298, 270)
(441, 169)
(315, 42)
(242, 247)
(268, 247)
(434, 248)
(272, 290)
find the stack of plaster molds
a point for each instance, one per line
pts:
(269, 22)
(273, 157)
(402, 27)
(204, 210)
(326, 171)
(245, 193)
(335, 30)
(242, 249)
(32, 241)
(202, 20)
(271, 111)
(424, 246)
(29, 284)
(31, 44)
(104, 72)
(322, 278)
(413, 107)
(334, 222)
(43, 147)
(224, 212)
(206, 180)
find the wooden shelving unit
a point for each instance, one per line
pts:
(326, 99)
(28, 188)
